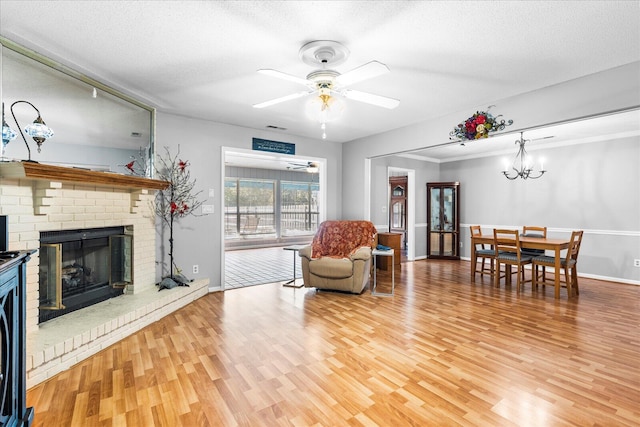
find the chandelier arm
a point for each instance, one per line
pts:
(536, 177)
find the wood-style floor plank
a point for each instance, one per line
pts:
(442, 351)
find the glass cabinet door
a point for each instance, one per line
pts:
(398, 215)
(398, 207)
(444, 224)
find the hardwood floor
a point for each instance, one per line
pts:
(442, 351)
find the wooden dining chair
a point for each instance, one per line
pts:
(568, 263)
(507, 250)
(535, 232)
(484, 253)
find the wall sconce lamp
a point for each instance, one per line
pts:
(37, 130)
(8, 135)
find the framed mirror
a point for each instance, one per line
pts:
(95, 127)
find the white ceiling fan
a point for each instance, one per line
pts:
(309, 166)
(327, 82)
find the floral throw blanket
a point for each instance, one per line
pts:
(339, 239)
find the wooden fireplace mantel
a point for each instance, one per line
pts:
(40, 171)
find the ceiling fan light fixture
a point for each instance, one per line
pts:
(325, 108)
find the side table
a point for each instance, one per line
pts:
(375, 253)
(295, 249)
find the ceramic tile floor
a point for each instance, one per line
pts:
(248, 267)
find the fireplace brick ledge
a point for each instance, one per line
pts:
(65, 341)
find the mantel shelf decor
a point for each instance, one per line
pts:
(478, 126)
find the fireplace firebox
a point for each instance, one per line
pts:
(79, 268)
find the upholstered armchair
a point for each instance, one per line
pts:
(339, 257)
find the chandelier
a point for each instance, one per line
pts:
(522, 165)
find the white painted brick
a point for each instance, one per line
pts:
(66, 217)
(77, 341)
(13, 190)
(84, 201)
(11, 200)
(13, 210)
(59, 349)
(68, 345)
(44, 201)
(38, 358)
(68, 208)
(29, 235)
(94, 224)
(49, 353)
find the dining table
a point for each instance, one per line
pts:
(551, 244)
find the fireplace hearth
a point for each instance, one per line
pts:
(79, 268)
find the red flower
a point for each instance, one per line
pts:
(470, 126)
(174, 207)
(182, 165)
(480, 119)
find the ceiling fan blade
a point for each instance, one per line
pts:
(282, 99)
(369, 98)
(284, 76)
(367, 71)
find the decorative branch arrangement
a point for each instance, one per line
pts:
(178, 199)
(174, 202)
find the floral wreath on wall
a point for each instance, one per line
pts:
(479, 126)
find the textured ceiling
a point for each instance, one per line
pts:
(199, 58)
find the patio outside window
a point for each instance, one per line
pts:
(269, 209)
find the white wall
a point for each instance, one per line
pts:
(611, 90)
(199, 240)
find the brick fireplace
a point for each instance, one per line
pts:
(42, 198)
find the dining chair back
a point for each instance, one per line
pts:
(484, 253)
(568, 263)
(535, 232)
(507, 250)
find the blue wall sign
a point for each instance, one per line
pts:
(274, 146)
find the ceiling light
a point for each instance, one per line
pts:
(522, 165)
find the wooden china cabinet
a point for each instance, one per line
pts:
(398, 207)
(443, 220)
